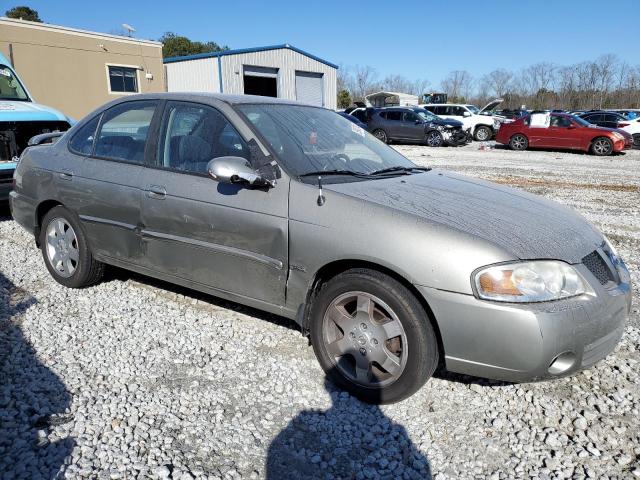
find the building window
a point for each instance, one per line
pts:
(123, 79)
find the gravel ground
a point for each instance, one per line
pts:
(138, 378)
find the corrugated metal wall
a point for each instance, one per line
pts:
(199, 75)
(287, 61)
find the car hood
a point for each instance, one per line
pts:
(525, 225)
(16, 111)
(491, 105)
(447, 122)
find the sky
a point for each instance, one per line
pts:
(415, 39)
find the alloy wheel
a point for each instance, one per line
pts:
(62, 247)
(482, 134)
(434, 139)
(518, 142)
(602, 146)
(380, 135)
(365, 339)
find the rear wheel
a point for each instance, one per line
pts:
(602, 147)
(482, 133)
(372, 337)
(65, 250)
(518, 142)
(381, 135)
(434, 139)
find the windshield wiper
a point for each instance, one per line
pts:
(323, 173)
(398, 169)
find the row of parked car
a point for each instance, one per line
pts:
(430, 124)
(596, 131)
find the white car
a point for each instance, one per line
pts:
(479, 122)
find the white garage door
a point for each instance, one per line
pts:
(309, 88)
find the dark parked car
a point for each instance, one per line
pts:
(353, 119)
(606, 119)
(289, 208)
(562, 131)
(415, 125)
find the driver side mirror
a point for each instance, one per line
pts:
(571, 126)
(236, 170)
(466, 114)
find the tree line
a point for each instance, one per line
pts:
(606, 82)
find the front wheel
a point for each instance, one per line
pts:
(66, 252)
(482, 133)
(434, 139)
(381, 135)
(372, 336)
(518, 142)
(636, 140)
(602, 147)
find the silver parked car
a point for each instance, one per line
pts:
(292, 209)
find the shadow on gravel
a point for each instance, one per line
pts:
(114, 273)
(5, 213)
(350, 440)
(32, 398)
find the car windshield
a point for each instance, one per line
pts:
(10, 87)
(473, 108)
(310, 139)
(427, 116)
(580, 121)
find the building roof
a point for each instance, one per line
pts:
(247, 50)
(76, 31)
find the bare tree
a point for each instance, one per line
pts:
(458, 85)
(497, 82)
(365, 81)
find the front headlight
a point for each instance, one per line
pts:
(535, 281)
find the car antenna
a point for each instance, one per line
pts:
(321, 198)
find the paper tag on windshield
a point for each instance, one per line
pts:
(356, 129)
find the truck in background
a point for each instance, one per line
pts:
(20, 119)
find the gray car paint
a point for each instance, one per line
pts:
(264, 247)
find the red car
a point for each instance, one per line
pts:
(562, 131)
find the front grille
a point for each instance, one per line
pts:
(596, 265)
(15, 135)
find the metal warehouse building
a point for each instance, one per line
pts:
(281, 71)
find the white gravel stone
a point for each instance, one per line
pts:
(134, 378)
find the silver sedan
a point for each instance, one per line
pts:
(390, 268)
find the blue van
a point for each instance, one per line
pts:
(20, 119)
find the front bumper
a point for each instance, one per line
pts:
(520, 342)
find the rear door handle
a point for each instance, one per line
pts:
(66, 174)
(157, 192)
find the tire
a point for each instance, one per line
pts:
(482, 134)
(434, 139)
(395, 332)
(518, 142)
(65, 250)
(381, 135)
(601, 147)
(636, 140)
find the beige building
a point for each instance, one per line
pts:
(75, 70)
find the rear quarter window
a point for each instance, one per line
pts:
(82, 140)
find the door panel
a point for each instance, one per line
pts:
(109, 206)
(410, 129)
(226, 237)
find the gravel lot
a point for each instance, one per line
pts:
(138, 378)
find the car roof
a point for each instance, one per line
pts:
(214, 97)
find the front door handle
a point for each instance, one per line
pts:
(157, 192)
(66, 175)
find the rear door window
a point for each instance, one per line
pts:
(394, 116)
(124, 130)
